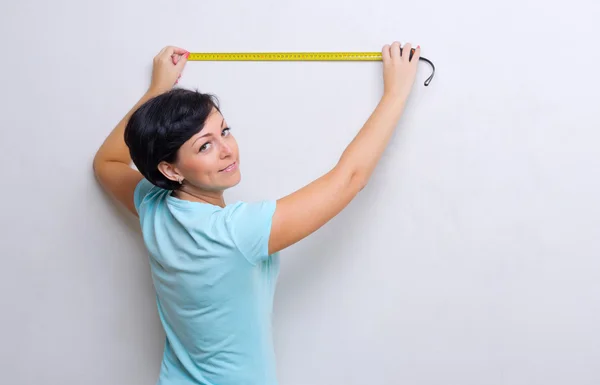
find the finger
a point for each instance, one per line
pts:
(175, 58)
(176, 50)
(395, 50)
(417, 54)
(182, 60)
(406, 51)
(385, 53)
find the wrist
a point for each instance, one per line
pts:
(393, 98)
(156, 90)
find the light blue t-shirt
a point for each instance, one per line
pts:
(214, 283)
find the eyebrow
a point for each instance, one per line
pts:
(208, 134)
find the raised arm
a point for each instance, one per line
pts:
(306, 210)
(112, 161)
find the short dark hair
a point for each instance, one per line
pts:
(160, 126)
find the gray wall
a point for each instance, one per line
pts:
(472, 257)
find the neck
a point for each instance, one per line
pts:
(193, 194)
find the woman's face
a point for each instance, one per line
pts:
(210, 159)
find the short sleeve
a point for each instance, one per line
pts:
(141, 190)
(249, 225)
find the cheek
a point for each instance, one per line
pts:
(203, 164)
(193, 164)
(234, 145)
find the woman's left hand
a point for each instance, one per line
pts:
(167, 68)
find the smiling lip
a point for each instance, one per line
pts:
(229, 168)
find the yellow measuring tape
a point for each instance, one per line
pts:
(294, 56)
(286, 56)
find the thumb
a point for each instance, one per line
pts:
(182, 60)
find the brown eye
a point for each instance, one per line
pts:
(204, 147)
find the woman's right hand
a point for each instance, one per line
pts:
(303, 212)
(398, 71)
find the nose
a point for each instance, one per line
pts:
(225, 150)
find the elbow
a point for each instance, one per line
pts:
(359, 181)
(96, 165)
(97, 170)
(354, 179)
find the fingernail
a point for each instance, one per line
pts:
(418, 46)
(187, 54)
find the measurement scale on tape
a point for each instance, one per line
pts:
(295, 56)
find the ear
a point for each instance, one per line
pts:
(169, 171)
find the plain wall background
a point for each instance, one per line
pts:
(472, 257)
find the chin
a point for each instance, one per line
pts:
(234, 181)
(237, 180)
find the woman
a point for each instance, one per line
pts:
(214, 265)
